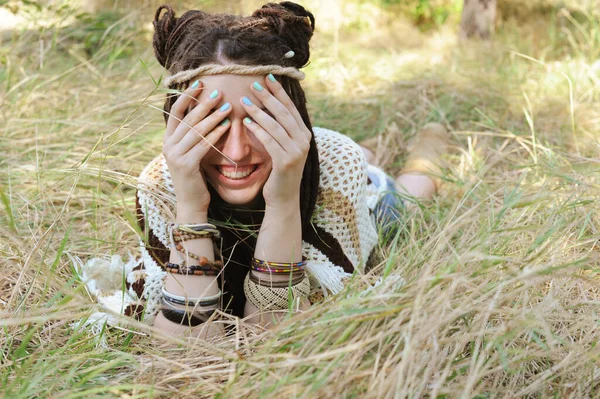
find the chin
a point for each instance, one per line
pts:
(238, 197)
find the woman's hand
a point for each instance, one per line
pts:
(284, 136)
(187, 140)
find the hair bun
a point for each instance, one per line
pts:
(306, 16)
(163, 26)
(294, 24)
(169, 31)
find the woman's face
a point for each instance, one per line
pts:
(239, 166)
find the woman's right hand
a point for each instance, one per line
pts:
(187, 140)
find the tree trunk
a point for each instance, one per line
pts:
(478, 18)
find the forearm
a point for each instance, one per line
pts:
(280, 236)
(279, 240)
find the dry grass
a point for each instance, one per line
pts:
(501, 296)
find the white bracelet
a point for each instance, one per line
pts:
(182, 300)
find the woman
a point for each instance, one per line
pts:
(246, 182)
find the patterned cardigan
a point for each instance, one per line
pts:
(344, 207)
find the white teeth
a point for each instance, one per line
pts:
(236, 175)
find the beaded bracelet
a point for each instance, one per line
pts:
(191, 302)
(202, 260)
(208, 269)
(276, 267)
(184, 232)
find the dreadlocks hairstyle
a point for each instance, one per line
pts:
(197, 38)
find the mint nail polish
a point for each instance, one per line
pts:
(246, 101)
(247, 121)
(225, 107)
(225, 122)
(271, 77)
(214, 94)
(257, 86)
(195, 84)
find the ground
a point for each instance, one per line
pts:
(500, 295)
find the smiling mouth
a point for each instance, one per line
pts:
(236, 173)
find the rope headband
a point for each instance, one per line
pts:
(233, 69)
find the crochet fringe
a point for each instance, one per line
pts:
(105, 281)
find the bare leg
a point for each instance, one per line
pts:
(416, 185)
(368, 155)
(419, 178)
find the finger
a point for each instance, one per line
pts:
(203, 128)
(281, 114)
(267, 123)
(199, 112)
(198, 151)
(179, 107)
(279, 93)
(271, 145)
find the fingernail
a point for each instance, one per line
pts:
(246, 101)
(271, 77)
(257, 86)
(225, 122)
(195, 84)
(214, 94)
(247, 121)
(225, 107)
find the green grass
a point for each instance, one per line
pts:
(501, 271)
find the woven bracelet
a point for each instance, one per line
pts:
(185, 232)
(209, 269)
(198, 230)
(268, 298)
(277, 284)
(191, 302)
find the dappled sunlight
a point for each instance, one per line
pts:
(9, 21)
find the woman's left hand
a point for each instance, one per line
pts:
(284, 136)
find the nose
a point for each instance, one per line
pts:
(235, 143)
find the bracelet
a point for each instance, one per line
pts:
(190, 254)
(186, 318)
(190, 309)
(203, 260)
(276, 267)
(184, 232)
(193, 302)
(209, 269)
(274, 298)
(277, 284)
(194, 231)
(179, 236)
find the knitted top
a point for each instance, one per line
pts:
(344, 207)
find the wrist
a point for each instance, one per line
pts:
(188, 215)
(283, 207)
